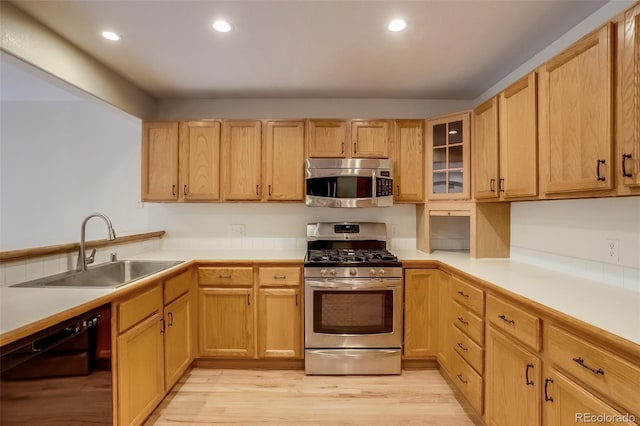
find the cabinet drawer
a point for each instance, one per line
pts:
(468, 381)
(177, 286)
(467, 295)
(137, 308)
(600, 370)
(470, 323)
(279, 276)
(241, 276)
(467, 348)
(514, 321)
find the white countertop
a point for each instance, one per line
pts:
(612, 309)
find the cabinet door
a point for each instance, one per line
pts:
(448, 158)
(485, 150)
(628, 104)
(226, 322)
(408, 164)
(177, 339)
(519, 139)
(200, 160)
(512, 383)
(370, 138)
(159, 161)
(140, 370)
(284, 160)
(327, 138)
(576, 120)
(566, 403)
(279, 322)
(420, 312)
(241, 160)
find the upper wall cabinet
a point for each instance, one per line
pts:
(576, 117)
(284, 160)
(200, 161)
(327, 138)
(408, 161)
(448, 157)
(181, 161)
(628, 105)
(160, 161)
(370, 138)
(505, 144)
(241, 160)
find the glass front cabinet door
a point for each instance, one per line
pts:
(448, 157)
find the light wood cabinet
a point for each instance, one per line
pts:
(140, 362)
(576, 117)
(420, 312)
(160, 161)
(279, 323)
(505, 143)
(370, 138)
(566, 402)
(200, 161)
(225, 321)
(448, 149)
(284, 160)
(327, 138)
(486, 151)
(177, 339)
(445, 336)
(513, 375)
(628, 102)
(408, 161)
(241, 160)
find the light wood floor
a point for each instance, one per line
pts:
(268, 397)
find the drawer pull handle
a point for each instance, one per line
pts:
(224, 277)
(600, 178)
(463, 294)
(170, 314)
(463, 321)
(279, 277)
(461, 346)
(248, 299)
(461, 378)
(162, 327)
(546, 390)
(491, 185)
(526, 375)
(580, 362)
(504, 318)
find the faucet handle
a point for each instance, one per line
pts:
(91, 258)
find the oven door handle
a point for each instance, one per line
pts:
(387, 283)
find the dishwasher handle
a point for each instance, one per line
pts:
(55, 338)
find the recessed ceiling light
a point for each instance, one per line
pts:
(397, 25)
(110, 35)
(222, 26)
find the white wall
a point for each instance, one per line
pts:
(59, 162)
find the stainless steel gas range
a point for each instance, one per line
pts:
(353, 300)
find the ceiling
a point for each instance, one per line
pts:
(313, 48)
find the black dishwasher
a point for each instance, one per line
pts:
(53, 377)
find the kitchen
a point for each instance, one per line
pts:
(107, 180)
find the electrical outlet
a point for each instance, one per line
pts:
(236, 230)
(613, 250)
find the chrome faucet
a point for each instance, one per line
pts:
(83, 261)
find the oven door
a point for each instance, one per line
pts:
(353, 313)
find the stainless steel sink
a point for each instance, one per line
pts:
(105, 275)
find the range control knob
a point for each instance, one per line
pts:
(381, 272)
(353, 272)
(323, 272)
(332, 272)
(372, 272)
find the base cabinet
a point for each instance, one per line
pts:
(177, 339)
(420, 312)
(566, 402)
(513, 384)
(279, 325)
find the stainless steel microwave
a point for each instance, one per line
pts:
(352, 182)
